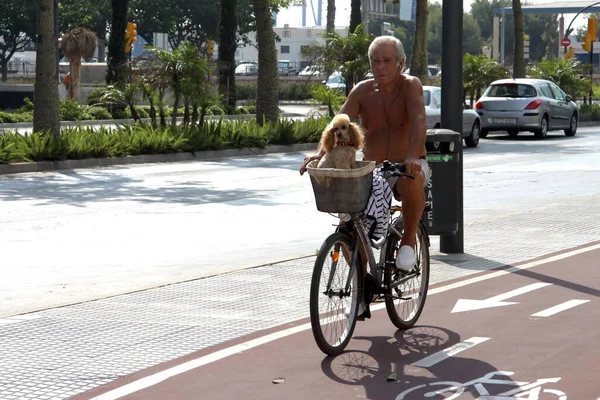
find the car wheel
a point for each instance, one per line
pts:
(473, 139)
(483, 132)
(572, 126)
(513, 132)
(543, 131)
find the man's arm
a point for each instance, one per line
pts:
(415, 108)
(351, 107)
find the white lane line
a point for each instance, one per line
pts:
(198, 362)
(151, 380)
(559, 307)
(433, 359)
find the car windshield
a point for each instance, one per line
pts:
(427, 97)
(335, 79)
(511, 90)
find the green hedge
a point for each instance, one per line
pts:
(287, 91)
(128, 140)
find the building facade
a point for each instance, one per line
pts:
(290, 44)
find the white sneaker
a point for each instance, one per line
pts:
(406, 259)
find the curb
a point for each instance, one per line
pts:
(93, 122)
(45, 166)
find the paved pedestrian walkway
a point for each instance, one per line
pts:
(57, 353)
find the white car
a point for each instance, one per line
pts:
(432, 95)
(336, 81)
(312, 70)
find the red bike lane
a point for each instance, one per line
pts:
(519, 334)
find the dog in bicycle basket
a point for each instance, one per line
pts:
(340, 140)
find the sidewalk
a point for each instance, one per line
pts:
(60, 352)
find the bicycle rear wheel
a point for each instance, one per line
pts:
(334, 294)
(405, 302)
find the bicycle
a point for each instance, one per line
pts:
(345, 288)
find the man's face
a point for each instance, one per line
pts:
(385, 64)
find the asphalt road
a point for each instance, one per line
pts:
(528, 332)
(72, 236)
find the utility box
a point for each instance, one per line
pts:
(444, 152)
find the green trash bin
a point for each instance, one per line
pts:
(444, 149)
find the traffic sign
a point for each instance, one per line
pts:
(565, 42)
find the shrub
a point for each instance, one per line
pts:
(70, 110)
(96, 112)
(94, 96)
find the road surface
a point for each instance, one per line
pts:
(531, 332)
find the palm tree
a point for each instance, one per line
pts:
(355, 16)
(419, 60)
(46, 116)
(267, 107)
(77, 44)
(519, 57)
(117, 58)
(330, 15)
(227, 47)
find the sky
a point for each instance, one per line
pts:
(293, 15)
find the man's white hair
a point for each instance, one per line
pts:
(391, 40)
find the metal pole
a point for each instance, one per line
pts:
(502, 34)
(452, 100)
(56, 39)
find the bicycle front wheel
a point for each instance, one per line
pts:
(334, 295)
(405, 301)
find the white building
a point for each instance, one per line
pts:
(292, 41)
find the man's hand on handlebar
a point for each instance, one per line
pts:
(307, 160)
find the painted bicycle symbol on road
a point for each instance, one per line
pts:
(523, 391)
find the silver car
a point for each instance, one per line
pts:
(432, 95)
(534, 105)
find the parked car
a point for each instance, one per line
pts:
(246, 69)
(312, 70)
(287, 68)
(432, 96)
(534, 105)
(336, 81)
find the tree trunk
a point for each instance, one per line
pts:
(267, 106)
(117, 58)
(75, 79)
(419, 61)
(46, 115)
(227, 48)
(330, 16)
(4, 67)
(175, 108)
(355, 15)
(519, 57)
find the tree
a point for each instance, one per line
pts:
(330, 16)
(17, 28)
(45, 106)
(194, 22)
(355, 16)
(348, 55)
(94, 15)
(77, 44)
(267, 109)
(419, 61)
(519, 56)
(117, 58)
(227, 48)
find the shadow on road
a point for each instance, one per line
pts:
(385, 370)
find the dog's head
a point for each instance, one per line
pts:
(341, 132)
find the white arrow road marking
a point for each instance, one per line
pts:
(496, 301)
(559, 307)
(449, 352)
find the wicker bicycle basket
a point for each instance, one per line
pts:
(342, 190)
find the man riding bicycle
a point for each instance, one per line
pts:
(392, 114)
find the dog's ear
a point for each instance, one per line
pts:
(358, 138)
(327, 138)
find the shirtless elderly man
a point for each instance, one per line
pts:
(392, 115)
